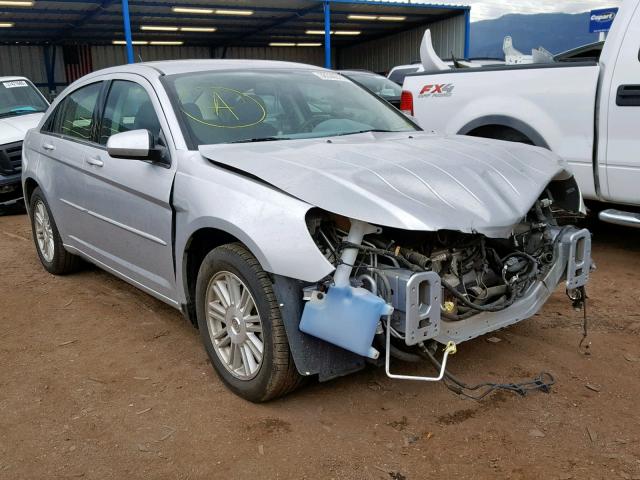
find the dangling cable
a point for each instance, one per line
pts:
(579, 299)
(542, 382)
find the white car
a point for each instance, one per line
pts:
(304, 225)
(21, 108)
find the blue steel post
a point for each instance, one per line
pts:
(467, 32)
(49, 65)
(127, 30)
(327, 34)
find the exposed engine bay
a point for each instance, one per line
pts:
(431, 279)
(477, 273)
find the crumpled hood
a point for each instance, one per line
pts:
(14, 129)
(414, 181)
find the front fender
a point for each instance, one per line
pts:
(270, 223)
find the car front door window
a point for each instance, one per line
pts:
(128, 107)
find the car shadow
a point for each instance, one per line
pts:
(17, 208)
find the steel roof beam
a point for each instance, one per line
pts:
(110, 17)
(85, 18)
(140, 13)
(372, 3)
(281, 21)
(438, 6)
(178, 3)
(110, 23)
(92, 23)
(117, 33)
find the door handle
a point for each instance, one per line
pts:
(628, 96)
(49, 147)
(96, 162)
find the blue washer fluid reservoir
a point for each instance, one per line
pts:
(347, 317)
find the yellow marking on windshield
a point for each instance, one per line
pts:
(220, 104)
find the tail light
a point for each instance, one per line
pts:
(406, 103)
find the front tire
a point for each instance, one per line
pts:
(53, 256)
(241, 326)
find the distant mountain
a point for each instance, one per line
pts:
(556, 32)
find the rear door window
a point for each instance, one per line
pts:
(75, 116)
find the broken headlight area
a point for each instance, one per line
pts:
(447, 286)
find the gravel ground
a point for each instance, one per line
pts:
(99, 380)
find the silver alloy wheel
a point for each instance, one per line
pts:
(44, 231)
(234, 325)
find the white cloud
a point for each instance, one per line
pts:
(484, 9)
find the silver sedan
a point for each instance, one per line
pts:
(305, 226)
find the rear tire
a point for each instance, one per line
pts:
(506, 134)
(241, 325)
(53, 256)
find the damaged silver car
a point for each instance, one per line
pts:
(305, 226)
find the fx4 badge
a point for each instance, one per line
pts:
(438, 90)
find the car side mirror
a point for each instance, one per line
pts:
(136, 145)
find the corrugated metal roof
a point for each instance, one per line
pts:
(100, 21)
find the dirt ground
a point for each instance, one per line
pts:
(98, 380)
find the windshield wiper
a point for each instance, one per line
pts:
(261, 139)
(372, 130)
(22, 111)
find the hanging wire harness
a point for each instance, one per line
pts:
(542, 382)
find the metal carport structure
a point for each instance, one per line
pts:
(337, 33)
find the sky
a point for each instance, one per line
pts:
(485, 9)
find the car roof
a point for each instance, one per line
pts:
(11, 78)
(408, 65)
(173, 67)
(364, 72)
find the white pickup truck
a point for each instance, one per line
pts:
(588, 111)
(21, 108)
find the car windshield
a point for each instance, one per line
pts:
(266, 105)
(378, 84)
(19, 97)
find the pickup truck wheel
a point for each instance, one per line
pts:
(53, 256)
(241, 326)
(497, 132)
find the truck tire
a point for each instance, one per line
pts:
(241, 325)
(498, 132)
(53, 256)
